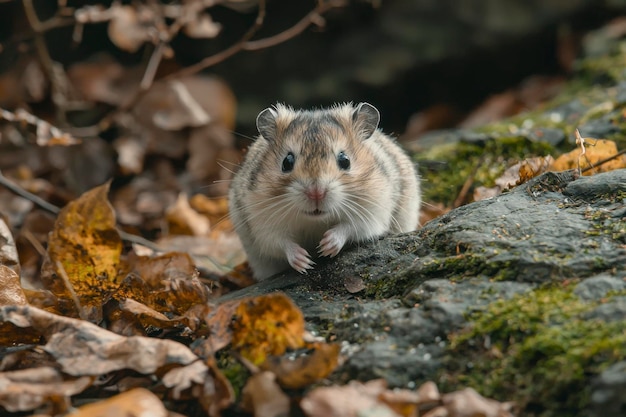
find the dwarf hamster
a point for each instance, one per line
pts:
(316, 180)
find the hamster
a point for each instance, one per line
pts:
(314, 181)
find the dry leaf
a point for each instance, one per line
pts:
(168, 283)
(305, 369)
(468, 403)
(138, 402)
(29, 389)
(267, 325)
(8, 250)
(596, 151)
(183, 220)
(85, 248)
(352, 400)
(11, 292)
(81, 348)
(126, 30)
(263, 397)
(515, 175)
(185, 377)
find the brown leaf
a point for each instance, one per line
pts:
(138, 402)
(267, 325)
(8, 250)
(185, 377)
(218, 321)
(596, 151)
(85, 247)
(350, 400)
(82, 348)
(168, 283)
(11, 292)
(126, 30)
(29, 389)
(515, 175)
(469, 403)
(305, 369)
(183, 220)
(263, 397)
(402, 401)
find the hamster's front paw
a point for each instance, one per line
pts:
(299, 258)
(332, 242)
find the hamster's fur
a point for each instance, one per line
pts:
(316, 180)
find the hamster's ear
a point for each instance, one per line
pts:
(266, 123)
(366, 118)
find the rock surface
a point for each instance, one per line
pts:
(421, 289)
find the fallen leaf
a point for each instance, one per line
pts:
(81, 348)
(263, 397)
(267, 325)
(11, 292)
(306, 369)
(218, 320)
(138, 402)
(468, 403)
(8, 250)
(351, 400)
(184, 220)
(596, 151)
(85, 248)
(168, 283)
(185, 377)
(515, 175)
(29, 389)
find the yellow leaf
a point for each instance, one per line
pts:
(84, 250)
(267, 325)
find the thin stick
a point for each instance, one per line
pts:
(314, 17)
(226, 53)
(16, 189)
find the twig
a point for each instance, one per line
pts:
(44, 57)
(605, 160)
(226, 53)
(314, 17)
(16, 189)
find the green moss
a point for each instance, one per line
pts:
(234, 371)
(538, 350)
(482, 163)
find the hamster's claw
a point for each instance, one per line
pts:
(299, 259)
(331, 243)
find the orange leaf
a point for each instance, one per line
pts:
(596, 151)
(307, 369)
(267, 325)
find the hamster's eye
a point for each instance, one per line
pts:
(343, 161)
(288, 162)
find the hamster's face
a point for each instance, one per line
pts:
(319, 167)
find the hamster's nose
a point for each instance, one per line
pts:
(315, 193)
